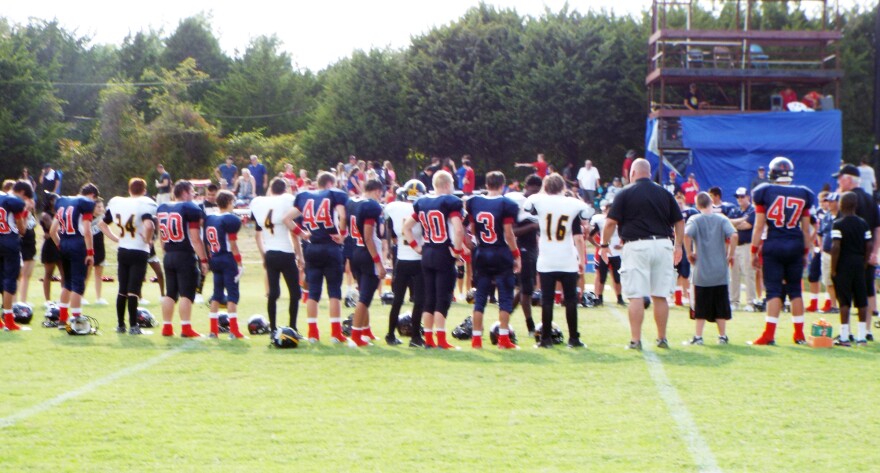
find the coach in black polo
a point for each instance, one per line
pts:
(646, 214)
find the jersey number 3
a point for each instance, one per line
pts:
(776, 212)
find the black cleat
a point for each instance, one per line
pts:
(576, 343)
(545, 343)
(392, 340)
(135, 331)
(417, 343)
(121, 329)
(634, 346)
(869, 337)
(662, 343)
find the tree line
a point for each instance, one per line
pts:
(493, 84)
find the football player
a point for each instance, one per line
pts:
(496, 257)
(365, 218)
(597, 226)
(13, 224)
(443, 230)
(784, 210)
(72, 234)
(323, 215)
(558, 258)
(408, 266)
(180, 223)
(526, 231)
(134, 217)
(683, 268)
(282, 255)
(221, 238)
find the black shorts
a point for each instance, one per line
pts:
(98, 244)
(528, 271)
(869, 281)
(712, 303)
(438, 271)
(814, 271)
(28, 245)
(181, 274)
(49, 253)
(850, 286)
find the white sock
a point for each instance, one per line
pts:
(477, 333)
(844, 332)
(863, 328)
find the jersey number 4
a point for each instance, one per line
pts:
(355, 233)
(776, 212)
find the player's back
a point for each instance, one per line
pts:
(396, 213)
(556, 216)
(128, 214)
(268, 213)
(435, 213)
(71, 212)
(219, 230)
(489, 215)
(10, 207)
(318, 210)
(175, 220)
(784, 206)
(361, 213)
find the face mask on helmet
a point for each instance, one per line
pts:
(257, 325)
(285, 337)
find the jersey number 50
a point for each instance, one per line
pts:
(170, 227)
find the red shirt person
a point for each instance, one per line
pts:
(690, 189)
(627, 163)
(540, 166)
(469, 181)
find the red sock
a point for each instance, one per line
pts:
(9, 318)
(313, 329)
(476, 341)
(827, 306)
(356, 336)
(187, 331)
(368, 333)
(63, 313)
(305, 296)
(233, 326)
(798, 327)
(678, 297)
(769, 330)
(336, 328)
(215, 327)
(557, 298)
(441, 340)
(814, 305)
(167, 329)
(429, 339)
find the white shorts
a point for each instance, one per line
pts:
(646, 269)
(826, 270)
(163, 198)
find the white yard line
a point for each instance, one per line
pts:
(696, 444)
(100, 382)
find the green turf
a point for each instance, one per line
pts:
(220, 405)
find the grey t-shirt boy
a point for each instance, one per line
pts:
(709, 233)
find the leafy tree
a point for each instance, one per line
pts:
(121, 140)
(262, 91)
(274, 151)
(362, 110)
(138, 54)
(194, 38)
(30, 114)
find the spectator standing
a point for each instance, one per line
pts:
(706, 237)
(742, 219)
(258, 171)
(540, 166)
(825, 227)
(460, 172)
(719, 206)
(225, 173)
(690, 190)
(627, 164)
(672, 185)
(645, 214)
(390, 175)
(588, 181)
(761, 178)
(468, 181)
(290, 176)
(352, 163)
(163, 185)
(852, 242)
(50, 179)
(615, 187)
(353, 185)
(245, 186)
(26, 176)
(867, 179)
(303, 177)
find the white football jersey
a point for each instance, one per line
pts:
(127, 220)
(520, 200)
(598, 221)
(556, 215)
(268, 213)
(396, 212)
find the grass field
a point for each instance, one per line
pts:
(114, 403)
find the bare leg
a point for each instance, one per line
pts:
(699, 329)
(636, 311)
(661, 315)
(27, 269)
(722, 327)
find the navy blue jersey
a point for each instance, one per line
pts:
(175, 220)
(688, 212)
(360, 213)
(219, 231)
(784, 207)
(74, 214)
(744, 236)
(825, 224)
(318, 210)
(434, 213)
(489, 214)
(11, 207)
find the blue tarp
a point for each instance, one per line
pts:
(727, 149)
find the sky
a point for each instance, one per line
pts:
(315, 33)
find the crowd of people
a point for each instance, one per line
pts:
(511, 244)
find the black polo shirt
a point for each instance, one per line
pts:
(866, 209)
(644, 210)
